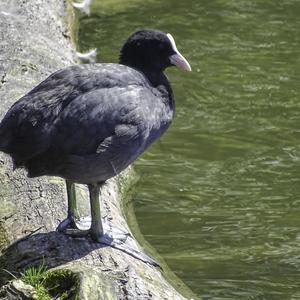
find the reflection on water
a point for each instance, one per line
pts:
(219, 195)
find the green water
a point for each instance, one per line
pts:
(219, 195)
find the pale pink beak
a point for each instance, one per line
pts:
(177, 59)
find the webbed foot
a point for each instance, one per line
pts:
(75, 227)
(120, 240)
(112, 236)
(82, 226)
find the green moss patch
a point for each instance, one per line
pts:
(62, 284)
(58, 284)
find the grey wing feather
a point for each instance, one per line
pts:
(100, 114)
(27, 128)
(113, 122)
(112, 156)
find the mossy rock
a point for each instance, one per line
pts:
(62, 284)
(80, 282)
(18, 290)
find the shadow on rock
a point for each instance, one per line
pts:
(52, 249)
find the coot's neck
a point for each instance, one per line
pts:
(156, 78)
(154, 74)
(159, 80)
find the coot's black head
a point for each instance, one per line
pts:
(152, 50)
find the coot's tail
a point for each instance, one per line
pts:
(5, 139)
(7, 145)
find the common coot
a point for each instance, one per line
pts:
(87, 123)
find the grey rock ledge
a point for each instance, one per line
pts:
(34, 42)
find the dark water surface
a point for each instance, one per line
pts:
(219, 195)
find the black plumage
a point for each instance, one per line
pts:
(87, 123)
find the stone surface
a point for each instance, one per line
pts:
(34, 42)
(18, 290)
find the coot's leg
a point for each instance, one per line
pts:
(114, 237)
(72, 201)
(73, 225)
(102, 231)
(96, 226)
